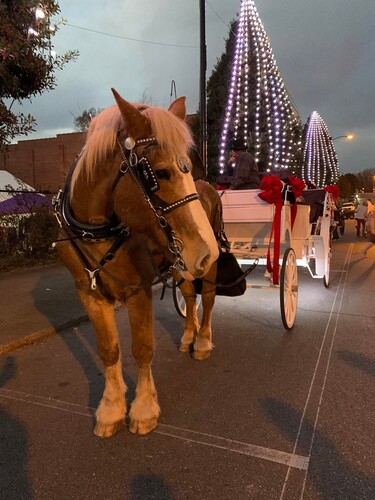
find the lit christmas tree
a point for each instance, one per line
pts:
(259, 110)
(321, 166)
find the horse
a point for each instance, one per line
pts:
(197, 337)
(129, 215)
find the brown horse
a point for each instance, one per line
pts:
(129, 205)
(197, 337)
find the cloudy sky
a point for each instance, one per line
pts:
(324, 50)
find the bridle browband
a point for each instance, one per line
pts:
(146, 181)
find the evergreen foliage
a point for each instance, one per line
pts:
(218, 88)
(217, 95)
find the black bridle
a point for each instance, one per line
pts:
(144, 176)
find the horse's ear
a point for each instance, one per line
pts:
(178, 108)
(136, 123)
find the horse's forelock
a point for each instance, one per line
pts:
(172, 134)
(101, 140)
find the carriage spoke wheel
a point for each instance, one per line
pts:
(288, 288)
(179, 301)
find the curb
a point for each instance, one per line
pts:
(41, 335)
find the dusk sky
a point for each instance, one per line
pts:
(324, 50)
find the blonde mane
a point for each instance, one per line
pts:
(173, 136)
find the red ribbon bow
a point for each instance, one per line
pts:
(333, 190)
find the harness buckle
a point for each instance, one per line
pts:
(124, 167)
(87, 236)
(133, 159)
(56, 203)
(162, 221)
(92, 277)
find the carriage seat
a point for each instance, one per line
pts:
(247, 220)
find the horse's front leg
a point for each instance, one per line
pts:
(145, 409)
(191, 327)
(110, 415)
(203, 342)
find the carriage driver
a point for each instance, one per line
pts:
(246, 173)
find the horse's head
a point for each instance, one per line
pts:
(155, 144)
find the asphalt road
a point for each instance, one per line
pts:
(270, 415)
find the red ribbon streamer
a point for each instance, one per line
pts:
(272, 187)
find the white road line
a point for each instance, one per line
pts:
(346, 266)
(343, 277)
(291, 460)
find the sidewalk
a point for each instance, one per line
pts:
(37, 303)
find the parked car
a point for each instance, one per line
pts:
(348, 208)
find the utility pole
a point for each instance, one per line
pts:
(203, 96)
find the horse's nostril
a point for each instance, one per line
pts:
(204, 262)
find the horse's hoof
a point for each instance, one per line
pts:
(201, 355)
(186, 347)
(143, 428)
(105, 430)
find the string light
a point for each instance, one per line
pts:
(263, 99)
(321, 166)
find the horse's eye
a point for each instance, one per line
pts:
(163, 173)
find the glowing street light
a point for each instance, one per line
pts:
(348, 136)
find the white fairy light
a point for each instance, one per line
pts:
(267, 99)
(321, 164)
(32, 32)
(39, 13)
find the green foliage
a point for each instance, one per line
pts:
(27, 62)
(348, 185)
(217, 95)
(82, 121)
(41, 231)
(365, 180)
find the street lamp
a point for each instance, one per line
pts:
(348, 136)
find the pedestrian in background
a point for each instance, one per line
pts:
(370, 235)
(361, 218)
(370, 210)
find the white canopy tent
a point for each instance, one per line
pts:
(10, 181)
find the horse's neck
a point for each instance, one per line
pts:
(92, 202)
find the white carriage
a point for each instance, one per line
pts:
(305, 241)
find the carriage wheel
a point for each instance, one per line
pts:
(327, 274)
(179, 301)
(288, 288)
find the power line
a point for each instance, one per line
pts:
(129, 38)
(221, 19)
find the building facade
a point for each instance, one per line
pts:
(43, 163)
